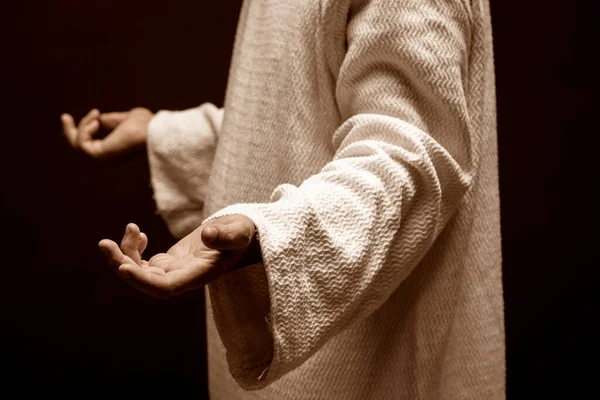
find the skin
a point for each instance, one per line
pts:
(129, 132)
(211, 250)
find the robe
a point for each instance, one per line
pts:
(360, 137)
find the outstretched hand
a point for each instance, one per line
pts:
(211, 250)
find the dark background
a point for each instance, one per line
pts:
(70, 327)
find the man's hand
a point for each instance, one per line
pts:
(129, 132)
(215, 248)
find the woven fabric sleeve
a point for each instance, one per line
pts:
(337, 246)
(181, 149)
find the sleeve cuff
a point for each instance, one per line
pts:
(256, 329)
(181, 148)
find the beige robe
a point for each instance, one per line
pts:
(360, 138)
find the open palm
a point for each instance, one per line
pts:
(216, 247)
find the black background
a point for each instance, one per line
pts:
(71, 328)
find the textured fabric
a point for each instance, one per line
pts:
(360, 138)
(183, 144)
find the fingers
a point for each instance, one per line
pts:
(113, 253)
(113, 119)
(80, 136)
(132, 245)
(107, 148)
(89, 117)
(128, 132)
(151, 280)
(143, 243)
(131, 242)
(69, 128)
(76, 135)
(232, 232)
(117, 143)
(94, 148)
(87, 127)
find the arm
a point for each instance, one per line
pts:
(337, 246)
(181, 147)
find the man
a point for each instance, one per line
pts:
(342, 209)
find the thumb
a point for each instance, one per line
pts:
(113, 119)
(231, 235)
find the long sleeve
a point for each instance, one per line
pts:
(339, 244)
(181, 149)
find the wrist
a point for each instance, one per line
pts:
(143, 116)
